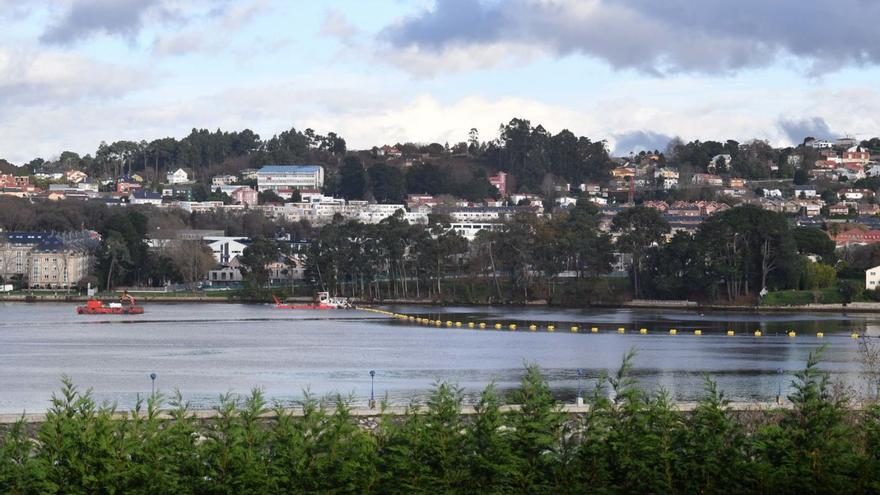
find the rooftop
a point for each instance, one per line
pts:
(289, 169)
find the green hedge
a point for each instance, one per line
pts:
(631, 442)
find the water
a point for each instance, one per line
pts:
(204, 350)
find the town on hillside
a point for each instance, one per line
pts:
(210, 203)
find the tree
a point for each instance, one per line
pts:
(352, 178)
(639, 229)
(387, 183)
(801, 177)
(810, 240)
(192, 260)
(259, 253)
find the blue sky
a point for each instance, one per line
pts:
(633, 72)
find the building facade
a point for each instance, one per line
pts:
(276, 177)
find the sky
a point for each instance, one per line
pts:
(635, 73)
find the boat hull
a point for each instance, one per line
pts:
(135, 310)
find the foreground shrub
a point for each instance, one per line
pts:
(630, 441)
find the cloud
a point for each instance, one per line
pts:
(636, 141)
(38, 78)
(798, 129)
(203, 37)
(336, 25)
(657, 38)
(85, 18)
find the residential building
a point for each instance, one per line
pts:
(469, 230)
(857, 236)
(143, 197)
(804, 191)
(47, 260)
(706, 180)
(225, 249)
(872, 278)
(245, 195)
(178, 176)
(223, 180)
(279, 177)
(499, 180)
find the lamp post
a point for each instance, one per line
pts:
(779, 387)
(372, 389)
(580, 394)
(153, 380)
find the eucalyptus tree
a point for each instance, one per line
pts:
(638, 229)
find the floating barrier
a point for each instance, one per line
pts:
(820, 335)
(533, 327)
(854, 335)
(482, 326)
(471, 324)
(730, 333)
(621, 330)
(551, 328)
(758, 333)
(512, 326)
(792, 333)
(574, 329)
(448, 323)
(643, 331)
(458, 324)
(698, 332)
(673, 331)
(594, 330)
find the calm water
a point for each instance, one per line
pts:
(208, 349)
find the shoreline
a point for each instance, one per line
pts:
(855, 307)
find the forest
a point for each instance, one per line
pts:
(630, 441)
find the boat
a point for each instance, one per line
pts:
(97, 307)
(323, 301)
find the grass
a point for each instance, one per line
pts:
(801, 297)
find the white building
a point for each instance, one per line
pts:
(872, 278)
(277, 177)
(469, 230)
(225, 249)
(222, 180)
(179, 176)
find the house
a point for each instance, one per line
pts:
(706, 180)
(818, 144)
(857, 194)
(872, 278)
(499, 180)
(226, 248)
(245, 195)
(388, 151)
(873, 171)
(223, 180)
(683, 209)
(805, 192)
(623, 172)
(248, 173)
(281, 177)
(76, 176)
(736, 182)
(838, 210)
(143, 197)
(178, 176)
(720, 161)
(772, 193)
(856, 154)
(125, 185)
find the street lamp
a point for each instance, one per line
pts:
(779, 389)
(580, 394)
(153, 380)
(372, 389)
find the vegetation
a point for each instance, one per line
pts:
(631, 441)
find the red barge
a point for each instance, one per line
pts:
(324, 301)
(97, 307)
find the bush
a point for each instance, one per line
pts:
(630, 441)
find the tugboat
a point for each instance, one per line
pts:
(323, 301)
(97, 307)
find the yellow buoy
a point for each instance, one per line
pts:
(757, 333)
(533, 327)
(498, 326)
(673, 331)
(448, 323)
(594, 329)
(458, 323)
(854, 335)
(470, 324)
(792, 334)
(482, 325)
(820, 334)
(574, 329)
(438, 323)
(643, 331)
(730, 333)
(621, 330)
(551, 328)
(698, 332)
(512, 326)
